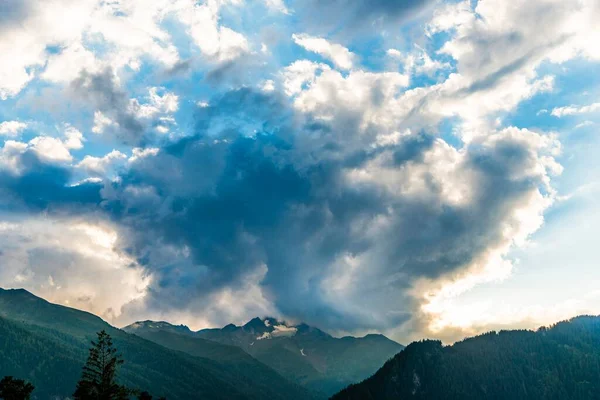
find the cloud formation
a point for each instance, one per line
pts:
(573, 110)
(339, 55)
(277, 174)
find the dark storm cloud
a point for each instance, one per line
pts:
(260, 186)
(279, 197)
(42, 186)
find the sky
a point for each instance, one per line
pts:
(420, 168)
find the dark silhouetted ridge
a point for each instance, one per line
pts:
(560, 362)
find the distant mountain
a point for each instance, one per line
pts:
(561, 362)
(301, 353)
(47, 344)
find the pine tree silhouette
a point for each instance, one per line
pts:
(144, 396)
(15, 389)
(98, 380)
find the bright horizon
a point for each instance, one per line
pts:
(417, 168)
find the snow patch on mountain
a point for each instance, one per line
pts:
(266, 335)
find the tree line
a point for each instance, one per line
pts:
(98, 378)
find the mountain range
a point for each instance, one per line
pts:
(301, 353)
(47, 344)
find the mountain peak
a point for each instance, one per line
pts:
(229, 328)
(157, 325)
(305, 329)
(254, 322)
(257, 326)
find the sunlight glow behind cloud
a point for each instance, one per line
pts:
(357, 165)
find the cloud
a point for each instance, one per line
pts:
(70, 262)
(332, 194)
(58, 41)
(102, 91)
(497, 51)
(217, 42)
(489, 44)
(12, 128)
(128, 120)
(339, 55)
(573, 110)
(46, 148)
(584, 124)
(74, 138)
(99, 166)
(50, 149)
(31, 182)
(338, 237)
(277, 5)
(32, 28)
(419, 62)
(300, 73)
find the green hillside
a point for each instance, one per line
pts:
(304, 354)
(47, 345)
(559, 363)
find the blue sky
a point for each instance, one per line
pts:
(418, 167)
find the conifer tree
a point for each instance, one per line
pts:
(15, 389)
(98, 380)
(144, 396)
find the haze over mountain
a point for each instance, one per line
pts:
(302, 353)
(47, 344)
(560, 363)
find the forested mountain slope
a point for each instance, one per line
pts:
(47, 344)
(560, 362)
(304, 354)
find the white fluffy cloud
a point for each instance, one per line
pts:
(48, 148)
(573, 110)
(497, 50)
(24, 43)
(12, 128)
(74, 138)
(367, 98)
(338, 54)
(59, 40)
(10, 155)
(102, 122)
(165, 103)
(217, 42)
(69, 262)
(491, 39)
(100, 166)
(299, 74)
(418, 62)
